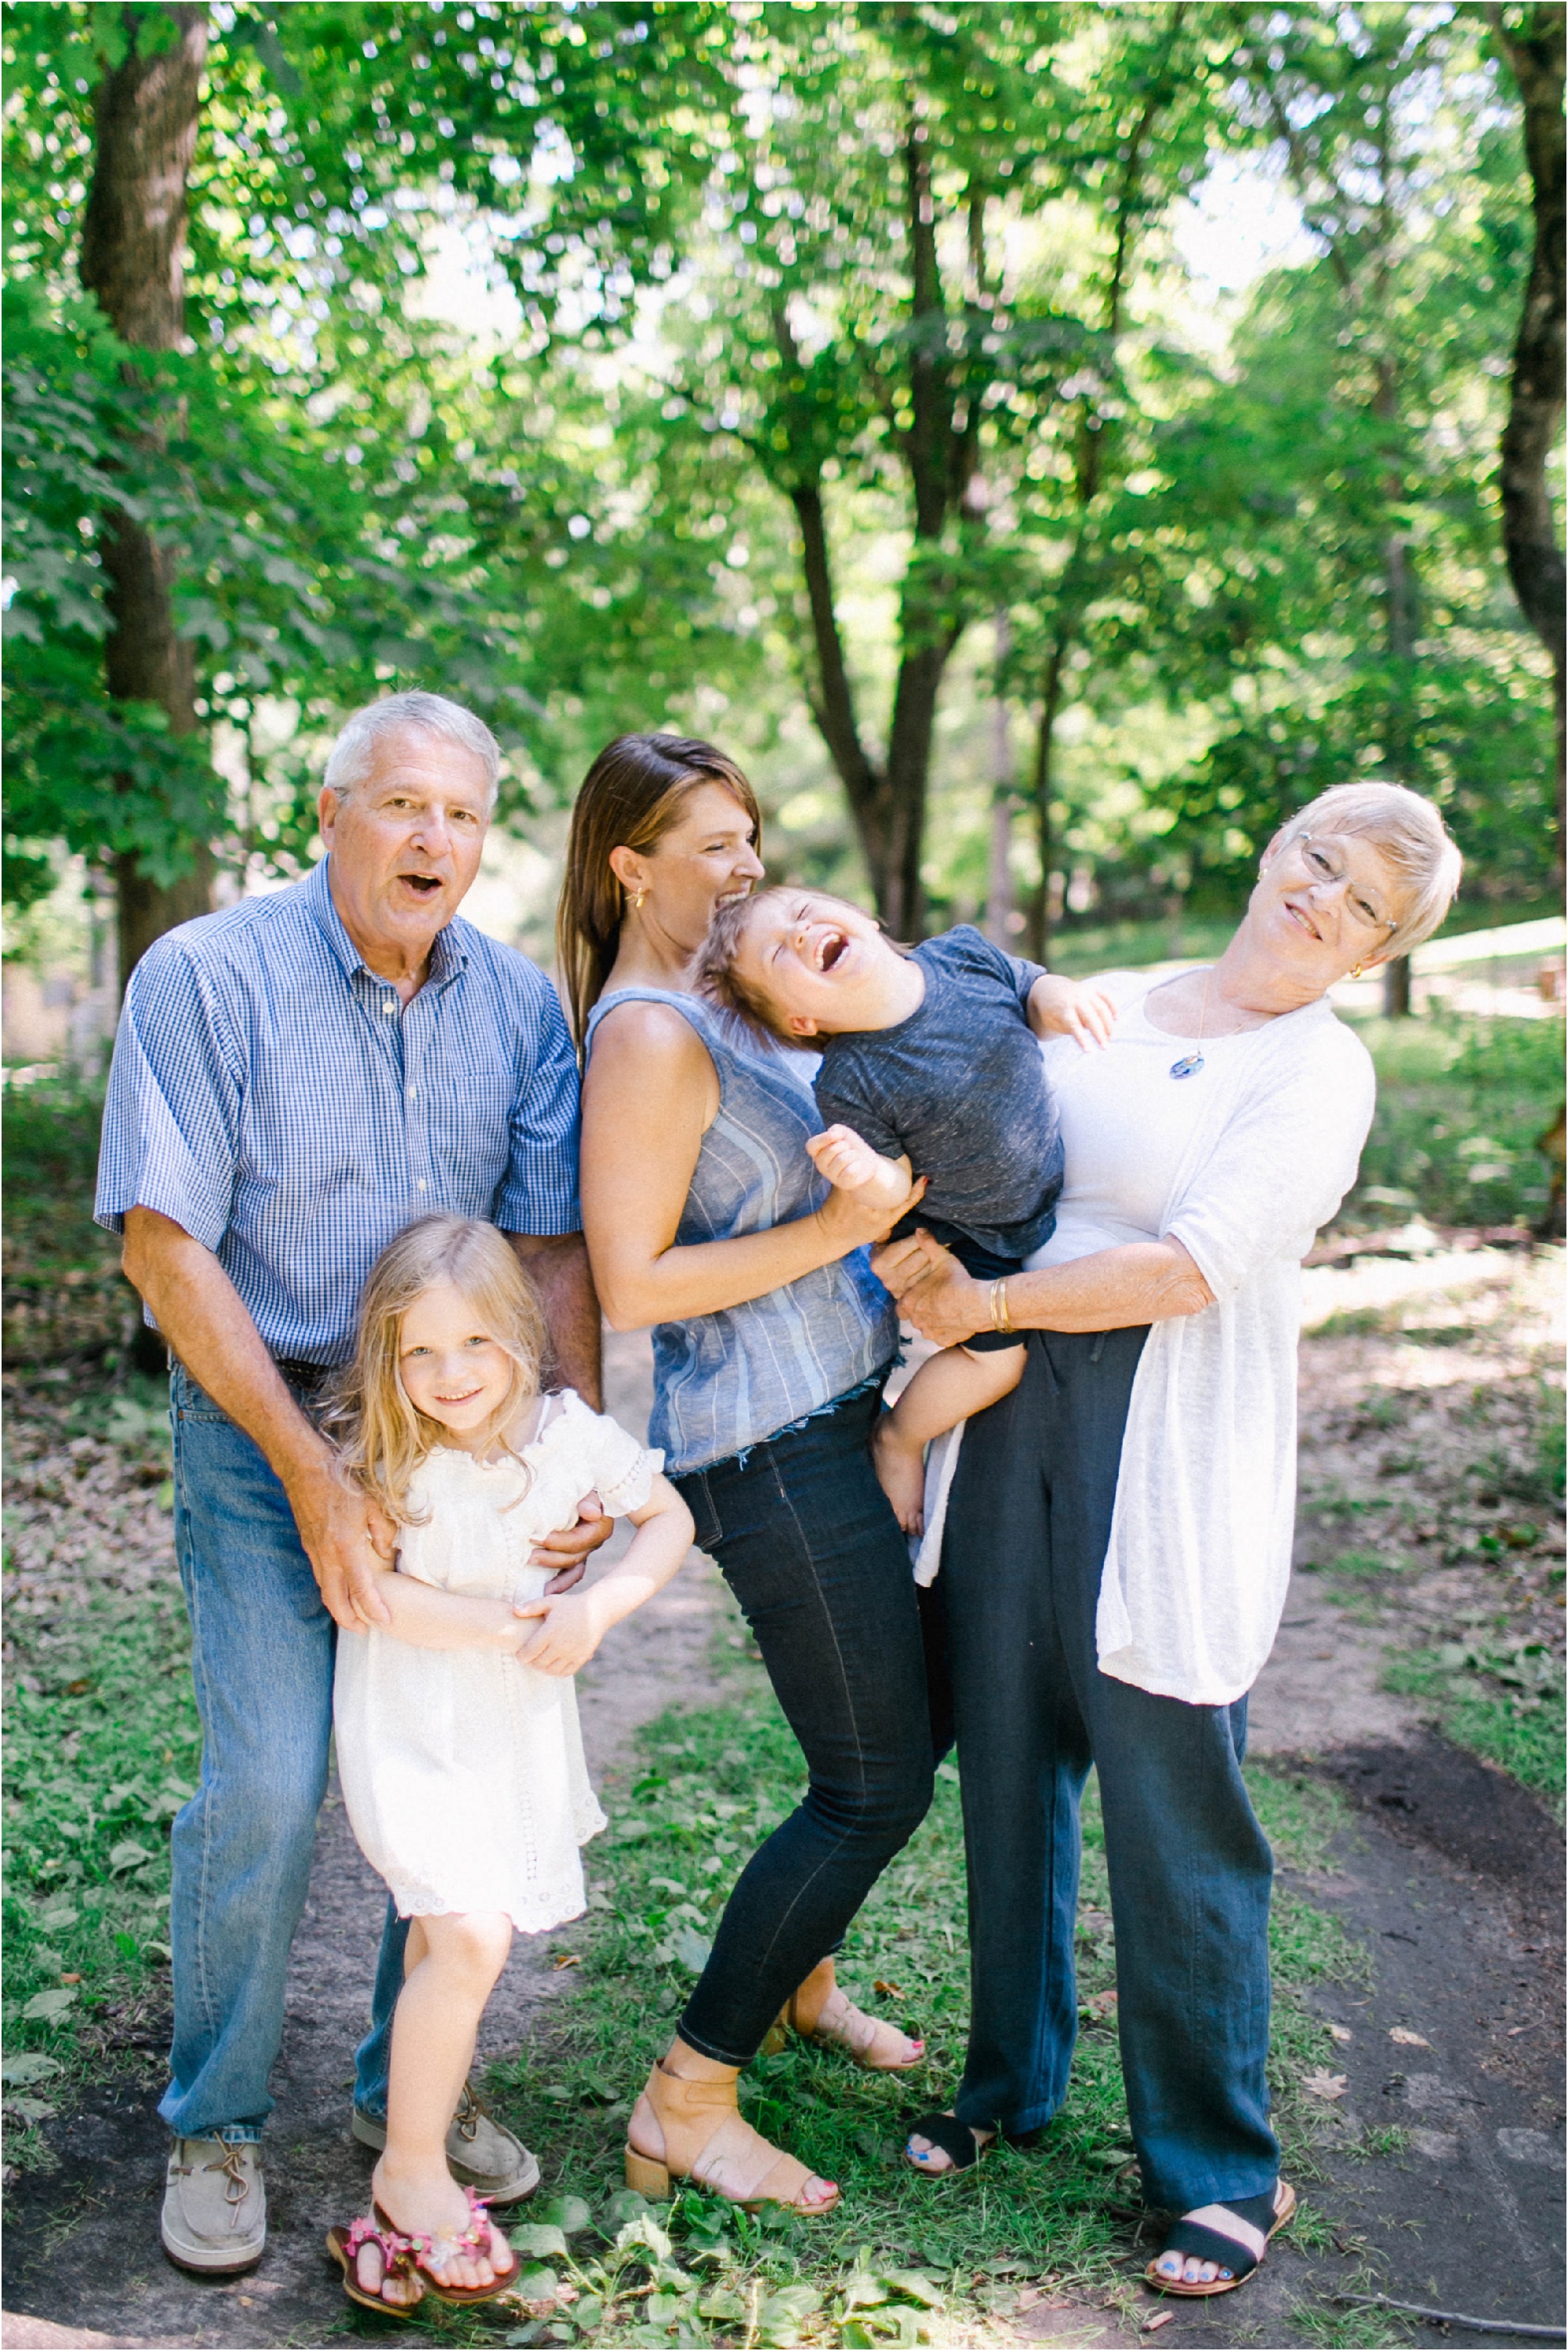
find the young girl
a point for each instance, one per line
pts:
(458, 1745)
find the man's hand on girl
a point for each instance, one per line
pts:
(568, 1552)
(346, 1538)
(1067, 1007)
(934, 1292)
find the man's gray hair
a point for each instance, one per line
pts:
(396, 713)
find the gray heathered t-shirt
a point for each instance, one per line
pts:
(959, 1086)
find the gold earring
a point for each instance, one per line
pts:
(1355, 970)
(637, 902)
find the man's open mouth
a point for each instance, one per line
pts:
(424, 885)
(830, 949)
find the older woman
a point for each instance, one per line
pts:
(704, 1217)
(1144, 1473)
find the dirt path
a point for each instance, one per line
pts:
(1448, 1876)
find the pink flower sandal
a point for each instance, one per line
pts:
(404, 2256)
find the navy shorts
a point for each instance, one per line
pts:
(982, 1264)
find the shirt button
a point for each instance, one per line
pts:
(388, 1004)
(410, 1094)
(420, 1186)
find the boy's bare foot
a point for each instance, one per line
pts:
(900, 1473)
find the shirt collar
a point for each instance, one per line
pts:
(447, 959)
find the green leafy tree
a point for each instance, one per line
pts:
(1317, 555)
(1533, 40)
(874, 326)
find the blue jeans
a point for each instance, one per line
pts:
(809, 1545)
(1190, 1869)
(262, 1648)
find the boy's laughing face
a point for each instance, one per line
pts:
(821, 965)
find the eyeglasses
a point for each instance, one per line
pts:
(1328, 867)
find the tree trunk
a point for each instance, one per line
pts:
(1044, 754)
(1400, 577)
(1535, 50)
(1000, 870)
(132, 259)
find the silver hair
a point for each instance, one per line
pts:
(394, 714)
(1408, 833)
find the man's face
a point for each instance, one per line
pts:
(405, 843)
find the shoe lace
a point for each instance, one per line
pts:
(468, 2113)
(237, 2186)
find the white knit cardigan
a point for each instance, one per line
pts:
(1199, 1560)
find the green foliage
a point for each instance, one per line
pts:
(64, 1292)
(1460, 1103)
(579, 528)
(1502, 1699)
(101, 1749)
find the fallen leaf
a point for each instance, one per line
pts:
(1406, 2039)
(70, 1979)
(1326, 2085)
(1161, 2318)
(888, 1991)
(1101, 2003)
(1341, 2033)
(565, 1959)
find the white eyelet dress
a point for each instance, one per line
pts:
(462, 1771)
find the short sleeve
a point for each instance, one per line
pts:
(172, 1115)
(843, 1101)
(623, 1470)
(539, 1193)
(1280, 1167)
(967, 946)
(1025, 973)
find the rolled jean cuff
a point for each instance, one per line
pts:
(704, 2048)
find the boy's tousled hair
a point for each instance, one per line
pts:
(379, 1433)
(720, 980)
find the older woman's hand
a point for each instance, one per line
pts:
(945, 1304)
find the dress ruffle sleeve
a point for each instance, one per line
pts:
(623, 1470)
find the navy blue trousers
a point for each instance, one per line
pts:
(1190, 1869)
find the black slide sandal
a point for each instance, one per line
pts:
(956, 2141)
(1201, 2242)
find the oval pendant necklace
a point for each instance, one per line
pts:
(1191, 1063)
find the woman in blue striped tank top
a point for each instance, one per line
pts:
(771, 1341)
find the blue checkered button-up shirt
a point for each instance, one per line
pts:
(279, 1101)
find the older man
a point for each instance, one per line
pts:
(294, 1079)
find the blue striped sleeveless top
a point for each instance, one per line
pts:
(728, 1380)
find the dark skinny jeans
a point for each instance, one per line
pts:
(810, 1547)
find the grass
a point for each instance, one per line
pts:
(1505, 1703)
(899, 2259)
(64, 1292)
(1461, 1101)
(102, 1747)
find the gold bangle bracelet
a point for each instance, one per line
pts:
(1001, 1321)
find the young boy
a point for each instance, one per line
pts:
(929, 1066)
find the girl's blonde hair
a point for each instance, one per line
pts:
(382, 1435)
